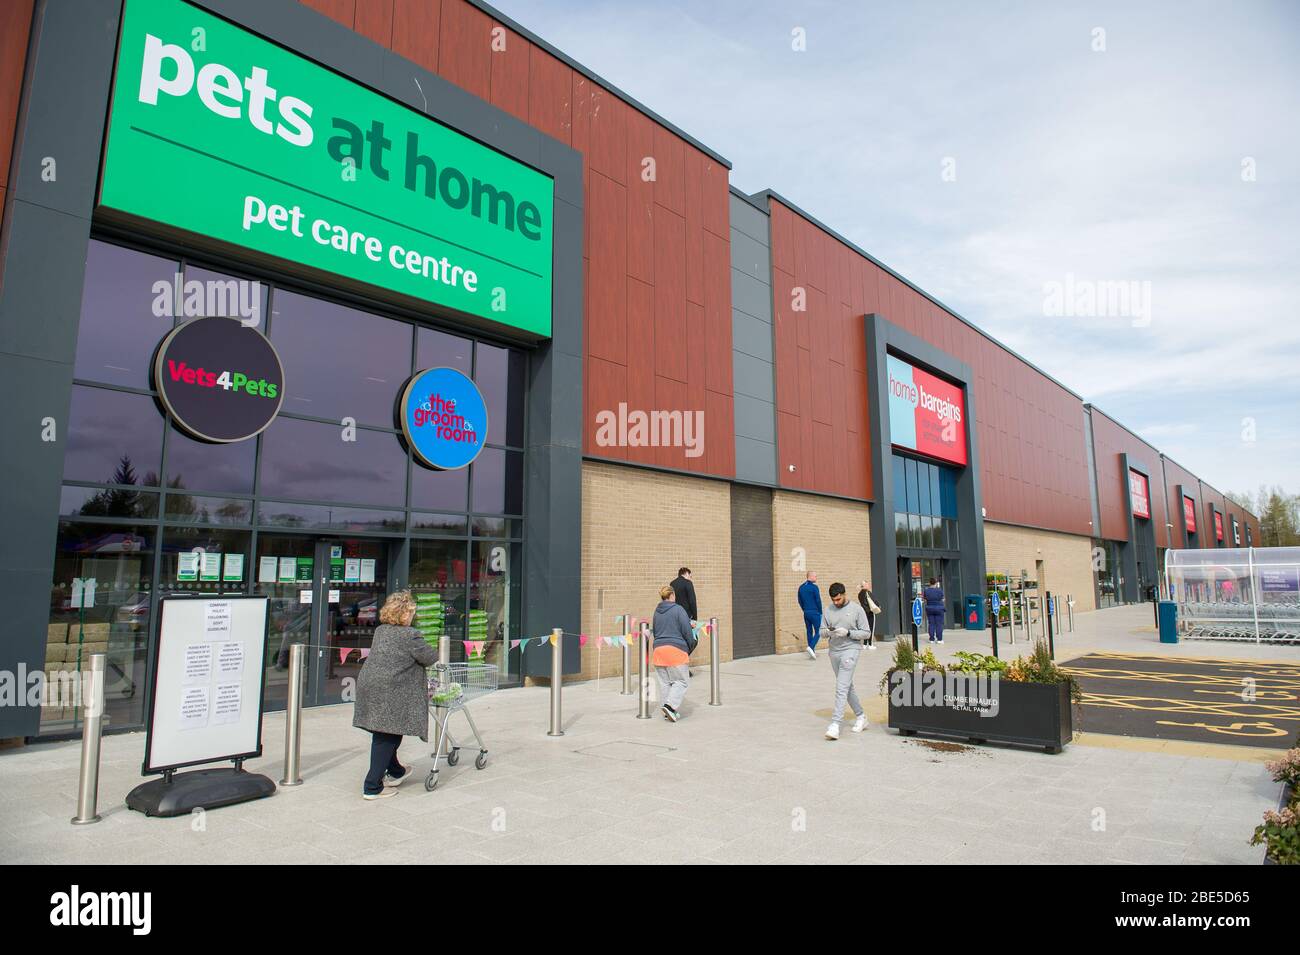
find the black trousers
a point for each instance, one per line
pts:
(383, 759)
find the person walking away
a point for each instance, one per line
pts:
(871, 608)
(845, 626)
(393, 693)
(810, 602)
(684, 593)
(934, 610)
(673, 643)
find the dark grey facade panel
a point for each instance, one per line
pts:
(751, 296)
(752, 378)
(40, 308)
(883, 336)
(64, 117)
(752, 343)
(754, 420)
(751, 336)
(1092, 471)
(755, 461)
(753, 611)
(750, 220)
(750, 256)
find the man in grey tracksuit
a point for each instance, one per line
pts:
(844, 624)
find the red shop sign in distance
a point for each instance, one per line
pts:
(1137, 491)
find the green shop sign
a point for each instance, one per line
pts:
(222, 134)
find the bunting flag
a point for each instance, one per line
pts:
(552, 639)
(472, 647)
(515, 643)
(365, 652)
(343, 654)
(582, 639)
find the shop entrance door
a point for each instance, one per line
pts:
(324, 592)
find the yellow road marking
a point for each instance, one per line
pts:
(1236, 661)
(1234, 752)
(1195, 707)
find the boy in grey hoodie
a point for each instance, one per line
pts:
(844, 624)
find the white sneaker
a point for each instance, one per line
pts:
(833, 731)
(812, 653)
(860, 723)
(382, 794)
(871, 646)
(394, 781)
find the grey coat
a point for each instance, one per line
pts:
(392, 688)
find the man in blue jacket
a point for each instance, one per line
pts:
(810, 602)
(934, 611)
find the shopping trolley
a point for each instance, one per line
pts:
(452, 687)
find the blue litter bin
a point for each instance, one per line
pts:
(973, 618)
(1168, 614)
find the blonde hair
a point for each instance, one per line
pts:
(397, 608)
(665, 592)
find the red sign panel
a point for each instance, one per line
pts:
(1189, 514)
(926, 414)
(1218, 526)
(1137, 491)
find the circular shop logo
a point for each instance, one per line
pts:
(218, 379)
(443, 418)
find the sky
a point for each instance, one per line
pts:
(1009, 159)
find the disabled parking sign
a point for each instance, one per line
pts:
(916, 611)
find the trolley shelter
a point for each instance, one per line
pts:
(205, 704)
(1249, 594)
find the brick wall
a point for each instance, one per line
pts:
(639, 526)
(1067, 559)
(821, 534)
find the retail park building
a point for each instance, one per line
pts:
(674, 373)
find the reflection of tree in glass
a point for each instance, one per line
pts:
(232, 512)
(116, 502)
(183, 506)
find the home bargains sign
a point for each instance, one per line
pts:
(1218, 526)
(221, 134)
(1189, 514)
(443, 418)
(1138, 494)
(926, 414)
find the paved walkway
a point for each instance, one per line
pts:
(751, 781)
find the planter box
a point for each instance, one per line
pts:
(1031, 714)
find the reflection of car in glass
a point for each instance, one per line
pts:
(368, 612)
(135, 609)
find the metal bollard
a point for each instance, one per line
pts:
(1069, 606)
(91, 730)
(627, 657)
(293, 716)
(557, 681)
(715, 664)
(643, 672)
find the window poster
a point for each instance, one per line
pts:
(234, 569)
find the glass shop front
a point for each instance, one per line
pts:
(324, 512)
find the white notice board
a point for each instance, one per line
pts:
(207, 681)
